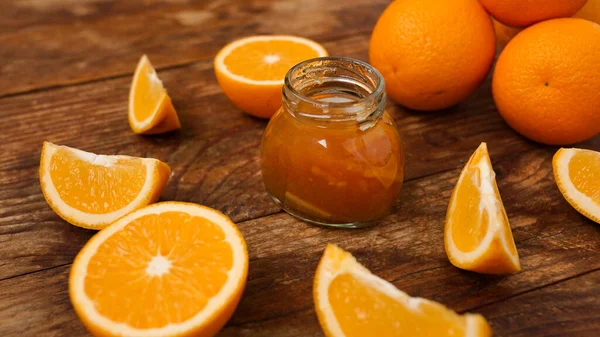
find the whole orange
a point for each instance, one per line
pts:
(521, 13)
(547, 81)
(432, 54)
(591, 12)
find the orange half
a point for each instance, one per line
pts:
(251, 70)
(169, 269)
(150, 108)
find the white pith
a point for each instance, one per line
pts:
(220, 58)
(224, 296)
(153, 76)
(571, 192)
(100, 160)
(488, 203)
(159, 265)
(329, 270)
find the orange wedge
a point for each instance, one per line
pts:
(477, 236)
(169, 269)
(150, 108)
(251, 70)
(92, 191)
(577, 174)
(352, 302)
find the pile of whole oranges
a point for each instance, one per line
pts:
(546, 83)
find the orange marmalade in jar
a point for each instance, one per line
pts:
(332, 155)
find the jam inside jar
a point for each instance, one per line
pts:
(332, 155)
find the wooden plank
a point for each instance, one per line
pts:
(203, 156)
(569, 308)
(554, 241)
(60, 42)
(214, 157)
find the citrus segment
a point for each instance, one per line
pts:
(477, 232)
(91, 191)
(251, 70)
(577, 174)
(352, 302)
(169, 269)
(150, 108)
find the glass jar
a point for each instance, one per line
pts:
(332, 155)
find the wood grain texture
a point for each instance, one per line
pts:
(570, 309)
(554, 242)
(65, 70)
(215, 157)
(61, 42)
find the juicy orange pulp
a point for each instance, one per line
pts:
(352, 302)
(477, 234)
(150, 108)
(96, 189)
(584, 171)
(251, 70)
(149, 264)
(167, 269)
(363, 310)
(470, 212)
(267, 60)
(92, 191)
(149, 93)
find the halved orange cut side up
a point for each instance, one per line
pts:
(577, 174)
(168, 269)
(150, 108)
(92, 191)
(477, 233)
(251, 70)
(352, 302)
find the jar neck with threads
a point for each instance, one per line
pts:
(335, 90)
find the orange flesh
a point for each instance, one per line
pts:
(96, 189)
(149, 92)
(249, 60)
(469, 222)
(333, 173)
(584, 171)
(466, 213)
(121, 288)
(364, 311)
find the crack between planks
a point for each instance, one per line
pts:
(93, 80)
(477, 307)
(184, 64)
(35, 271)
(281, 211)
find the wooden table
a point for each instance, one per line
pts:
(65, 70)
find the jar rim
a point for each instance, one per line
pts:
(376, 85)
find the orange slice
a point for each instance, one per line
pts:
(352, 302)
(92, 191)
(477, 235)
(169, 269)
(251, 70)
(577, 174)
(150, 108)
